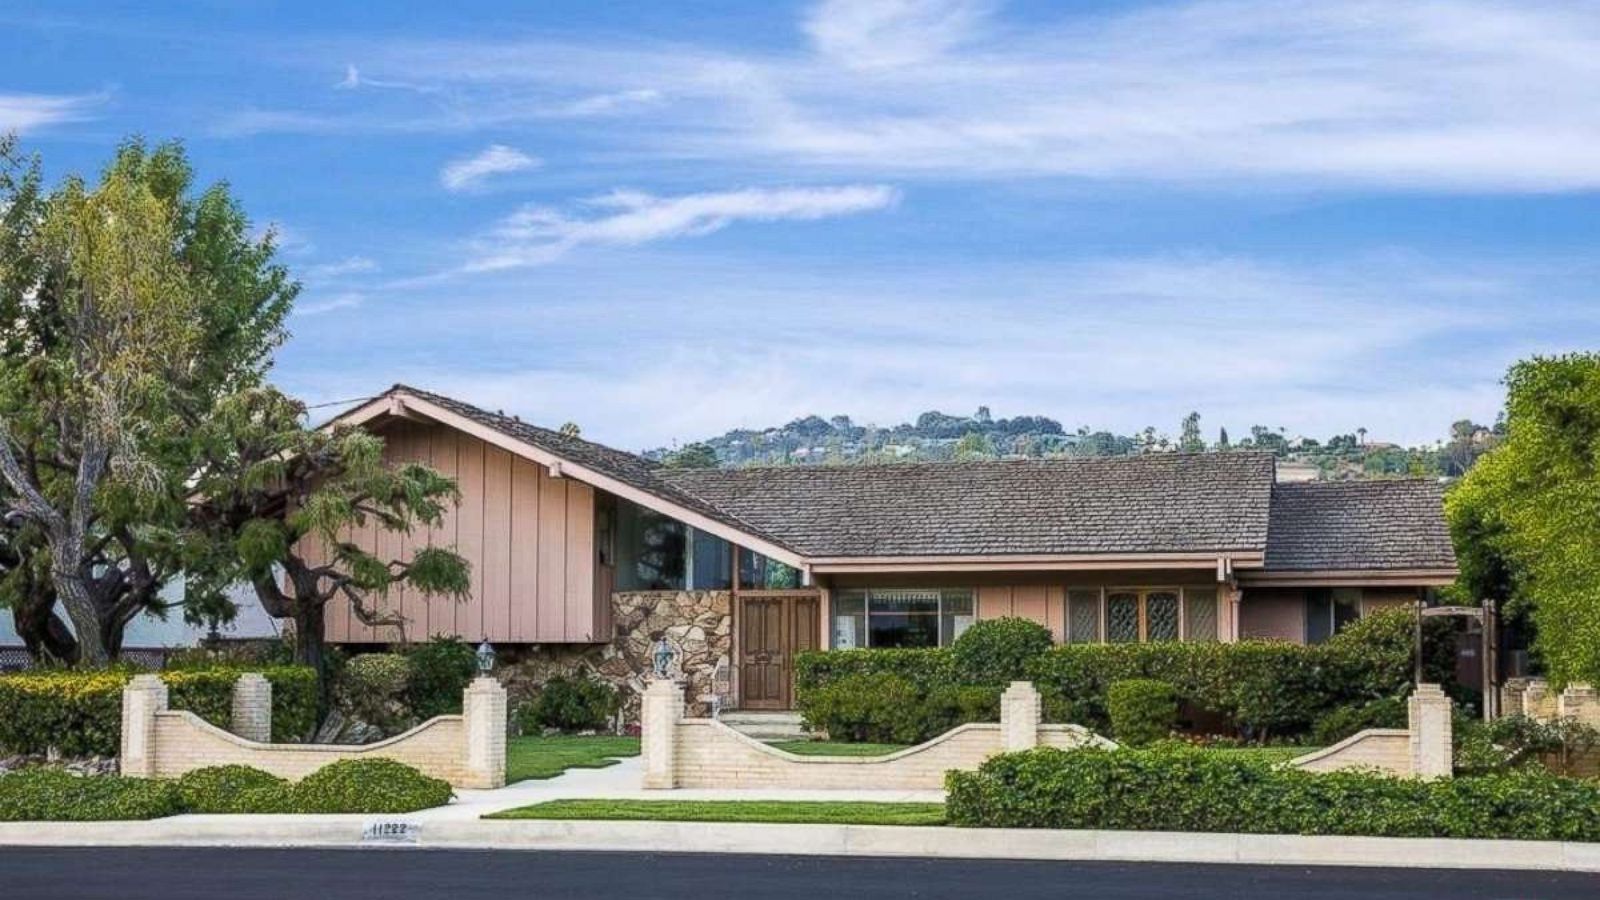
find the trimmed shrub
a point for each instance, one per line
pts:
(929, 667)
(997, 651)
(234, 789)
(440, 670)
(1390, 712)
(368, 786)
(578, 703)
(881, 708)
(1560, 745)
(56, 795)
(1142, 710)
(372, 688)
(1174, 788)
(80, 713)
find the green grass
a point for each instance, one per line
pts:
(547, 757)
(787, 812)
(837, 748)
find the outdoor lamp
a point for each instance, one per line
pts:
(485, 658)
(663, 658)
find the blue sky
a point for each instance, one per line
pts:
(662, 220)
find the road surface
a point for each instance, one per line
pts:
(403, 874)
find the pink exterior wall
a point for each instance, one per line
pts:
(529, 538)
(1273, 613)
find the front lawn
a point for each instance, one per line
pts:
(546, 757)
(790, 812)
(837, 748)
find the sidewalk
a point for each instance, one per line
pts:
(459, 826)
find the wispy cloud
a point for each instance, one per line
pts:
(22, 113)
(609, 103)
(496, 159)
(350, 265)
(1440, 95)
(536, 235)
(348, 300)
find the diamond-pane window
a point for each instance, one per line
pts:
(1083, 616)
(1200, 614)
(1122, 618)
(1161, 616)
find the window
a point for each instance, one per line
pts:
(652, 550)
(710, 562)
(1329, 610)
(900, 618)
(1134, 615)
(758, 573)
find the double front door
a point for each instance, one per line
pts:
(772, 628)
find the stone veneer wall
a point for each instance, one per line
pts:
(696, 624)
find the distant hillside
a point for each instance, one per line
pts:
(939, 436)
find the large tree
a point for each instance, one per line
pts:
(1526, 517)
(281, 506)
(127, 309)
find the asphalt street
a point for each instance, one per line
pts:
(402, 874)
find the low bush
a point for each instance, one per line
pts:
(234, 789)
(1142, 710)
(1335, 726)
(368, 786)
(576, 703)
(1180, 789)
(80, 713)
(373, 688)
(440, 670)
(885, 708)
(928, 667)
(56, 795)
(997, 651)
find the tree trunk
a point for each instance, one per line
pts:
(79, 604)
(47, 637)
(309, 650)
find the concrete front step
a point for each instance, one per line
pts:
(765, 725)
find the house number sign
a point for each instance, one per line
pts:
(391, 831)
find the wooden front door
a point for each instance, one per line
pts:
(772, 629)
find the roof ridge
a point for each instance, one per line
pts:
(1009, 461)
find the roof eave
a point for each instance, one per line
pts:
(1004, 562)
(1430, 576)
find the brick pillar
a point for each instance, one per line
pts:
(1428, 716)
(483, 713)
(1535, 699)
(658, 726)
(142, 698)
(1020, 712)
(1578, 702)
(1511, 697)
(252, 707)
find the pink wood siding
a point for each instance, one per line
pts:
(1042, 603)
(529, 538)
(1274, 613)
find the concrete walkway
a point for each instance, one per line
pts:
(621, 782)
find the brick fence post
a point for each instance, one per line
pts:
(1533, 699)
(658, 726)
(142, 698)
(483, 711)
(1428, 717)
(1578, 702)
(252, 707)
(1511, 697)
(1020, 712)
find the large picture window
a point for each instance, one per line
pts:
(900, 617)
(1137, 615)
(1329, 610)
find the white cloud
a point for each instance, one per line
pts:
(22, 113)
(496, 159)
(881, 33)
(1438, 95)
(336, 302)
(535, 235)
(610, 103)
(350, 265)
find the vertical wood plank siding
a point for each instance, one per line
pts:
(529, 537)
(1042, 603)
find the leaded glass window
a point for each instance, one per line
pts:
(1200, 614)
(1122, 617)
(1161, 616)
(1128, 615)
(1083, 616)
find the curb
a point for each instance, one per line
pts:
(819, 840)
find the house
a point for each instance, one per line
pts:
(586, 555)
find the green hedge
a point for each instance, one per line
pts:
(578, 703)
(234, 789)
(1142, 711)
(1262, 689)
(887, 708)
(80, 713)
(1181, 789)
(995, 652)
(369, 786)
(55, 795)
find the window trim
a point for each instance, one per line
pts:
(1143, 592)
